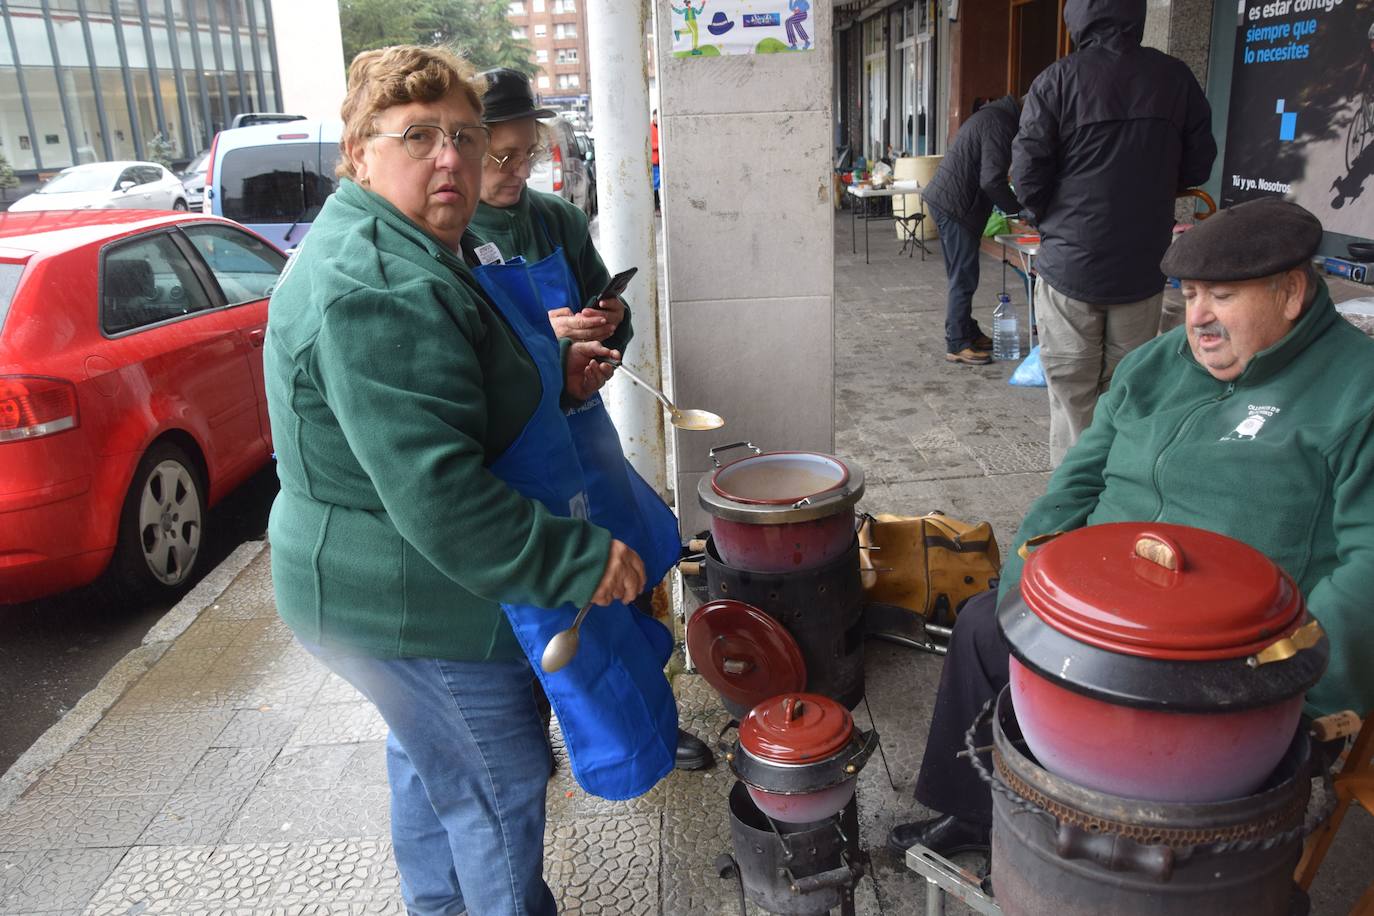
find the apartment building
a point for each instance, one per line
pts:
(557, 32)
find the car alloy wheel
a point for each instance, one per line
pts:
(162, 524)
(179, 205)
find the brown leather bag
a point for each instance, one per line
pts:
(928, 564)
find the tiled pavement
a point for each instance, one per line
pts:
(225, 772)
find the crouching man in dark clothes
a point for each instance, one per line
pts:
(1254, 420)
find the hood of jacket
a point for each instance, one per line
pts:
(1008, 104)
(1093, 22)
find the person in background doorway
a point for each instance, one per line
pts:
(1109, 136)
(562, 265)
(971, 179)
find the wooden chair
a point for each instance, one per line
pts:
(1354, 784)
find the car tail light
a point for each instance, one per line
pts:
(32, 406)
(205, 203)
(557, 168)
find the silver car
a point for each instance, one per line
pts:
(564, 170)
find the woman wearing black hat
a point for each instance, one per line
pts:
(562, 266)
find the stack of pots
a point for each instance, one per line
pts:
(783, 540)
(799, 753)
(793, 818)
(1157, 679)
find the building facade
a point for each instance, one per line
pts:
(97, 80)
(557, 33)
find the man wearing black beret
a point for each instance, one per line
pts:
(1254, 420)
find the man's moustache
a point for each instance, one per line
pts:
(1212, 327)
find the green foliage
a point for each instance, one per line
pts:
(476, 29)
(160, 150)
(8, 180)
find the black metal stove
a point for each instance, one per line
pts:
(793, 869)
(823, 610)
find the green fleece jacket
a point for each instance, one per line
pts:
(392, 385)
(1282, 458)
(516, 231)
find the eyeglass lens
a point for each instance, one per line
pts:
(425, 141)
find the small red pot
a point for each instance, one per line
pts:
(777, 512)
(1159, 662)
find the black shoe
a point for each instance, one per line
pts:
(946, 835)
(692, 752)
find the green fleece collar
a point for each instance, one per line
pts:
(373, 204)
(1267, 363)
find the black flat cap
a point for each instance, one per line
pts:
(509, 96)
(1258, 238)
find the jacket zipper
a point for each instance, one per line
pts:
(1183, 427)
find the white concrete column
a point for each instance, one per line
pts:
(749, 226)
(625, 197)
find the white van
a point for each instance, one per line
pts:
(273, 178)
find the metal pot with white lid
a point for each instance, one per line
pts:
(1158, 661)
(780, 511)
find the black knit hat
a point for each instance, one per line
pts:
(1258, 238)
(509, 96)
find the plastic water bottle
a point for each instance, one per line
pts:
(1006, 334)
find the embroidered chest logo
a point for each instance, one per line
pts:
(1249, 428)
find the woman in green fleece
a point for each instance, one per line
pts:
(400, 397)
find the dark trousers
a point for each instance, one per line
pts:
(975, 672)
(959, 245)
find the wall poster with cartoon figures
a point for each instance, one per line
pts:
(710, 28)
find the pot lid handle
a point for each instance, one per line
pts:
(792, 708)
(725, 448)
(1159, 549)
(1304, 637)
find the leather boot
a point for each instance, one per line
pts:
(692, 752)
(946, 835)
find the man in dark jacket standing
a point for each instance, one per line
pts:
(1109, 136)
(971, 178)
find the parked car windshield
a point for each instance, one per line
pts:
(9, 282)
(280, 183)
(197, 165)
(82, 179)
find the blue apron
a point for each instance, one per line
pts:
(613, 702)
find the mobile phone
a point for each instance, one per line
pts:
(619, 283)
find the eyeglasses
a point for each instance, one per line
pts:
(514, 162)
(426, 141)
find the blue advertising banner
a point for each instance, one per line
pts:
(1301, 118)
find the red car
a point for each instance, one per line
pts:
(131, 391)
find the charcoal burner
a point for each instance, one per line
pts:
(821, 608)
(793, 869)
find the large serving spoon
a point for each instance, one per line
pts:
(563, 646)
(682, 419)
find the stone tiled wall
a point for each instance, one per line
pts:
(1182, 28)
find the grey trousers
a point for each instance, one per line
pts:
(1080, 346)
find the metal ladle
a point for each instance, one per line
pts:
(682, 419)
(563, 646)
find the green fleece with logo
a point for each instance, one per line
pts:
(393, 384)
(1281, 458)
(516, 230)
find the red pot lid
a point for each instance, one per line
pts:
(1161, 591)
(779, 478)
(743, 653)
(796, 728)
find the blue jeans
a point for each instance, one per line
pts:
(959, 246)
(468, 761)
